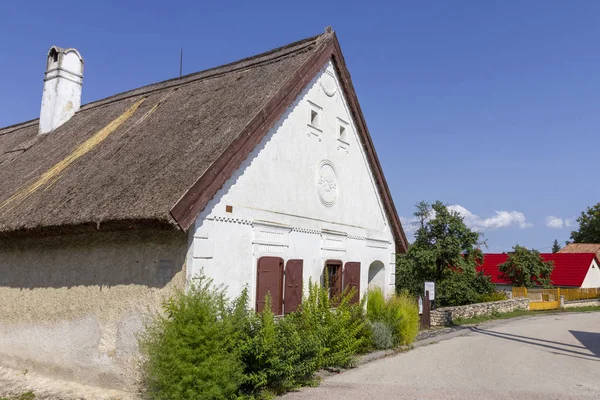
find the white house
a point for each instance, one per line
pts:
(261, 173)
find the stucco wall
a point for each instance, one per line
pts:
(592, 278)
(71, 305)
(446, 315)
(306, 192)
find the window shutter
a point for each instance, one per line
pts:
(270, 280)
(293, 285)
(352, 279)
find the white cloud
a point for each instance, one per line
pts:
(501, 219)
(559, 223)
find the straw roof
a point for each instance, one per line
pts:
(153, 157)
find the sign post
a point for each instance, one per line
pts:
(430, 287)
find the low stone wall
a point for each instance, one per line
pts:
(446, 315)
(581, 303)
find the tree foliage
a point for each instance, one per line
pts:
(555, 246)
(446, 251)
(527, 268)
(589, 226)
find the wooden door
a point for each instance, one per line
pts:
(270, 280)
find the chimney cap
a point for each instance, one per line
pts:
(59, 50)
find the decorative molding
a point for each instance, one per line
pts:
(328, 84)
(309, 231)
(377, 243)
(232, 220)
(327, 183)
(356, 237)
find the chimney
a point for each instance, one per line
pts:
(62, 88)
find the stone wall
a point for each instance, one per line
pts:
(581, 303)
(446, 315)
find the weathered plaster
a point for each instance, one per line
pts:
(72, 305)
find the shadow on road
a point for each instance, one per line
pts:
(589, 340)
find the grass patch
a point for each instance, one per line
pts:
(519, 313)
(23, 396)
(583, 309)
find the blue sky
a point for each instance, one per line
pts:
(489, 106)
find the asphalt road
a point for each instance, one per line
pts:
(545, 357)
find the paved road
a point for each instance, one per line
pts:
(546, 357)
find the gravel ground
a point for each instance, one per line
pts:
(544, 357)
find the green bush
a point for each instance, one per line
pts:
(190, 349)
(494, 296)
(276, 357)
(340, 331)
(399, 312)
(382, 336)
(204, 347)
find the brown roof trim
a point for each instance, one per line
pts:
(206, 187)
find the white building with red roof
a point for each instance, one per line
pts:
(573, 270)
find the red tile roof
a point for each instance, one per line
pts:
(569, 268)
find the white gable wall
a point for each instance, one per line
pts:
(592, 278)
(302, 194)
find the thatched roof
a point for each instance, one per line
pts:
(154, 156)
(582, 248)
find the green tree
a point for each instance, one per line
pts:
(589, 226)
(555, 246)
(446, 251)
(527, 268)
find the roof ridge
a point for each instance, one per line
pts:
(17, 126)
(185, 79)
(178, 81)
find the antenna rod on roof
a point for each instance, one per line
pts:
(181, 62)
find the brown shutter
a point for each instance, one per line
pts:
(293, 285)
(270, 280)
(352, 279)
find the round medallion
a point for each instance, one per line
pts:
(327, 184)
(328, 85)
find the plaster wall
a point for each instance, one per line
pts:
(72, 305)
(306, 192)
(592, 278)
(62, 90)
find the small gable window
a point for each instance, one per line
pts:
(314, 115)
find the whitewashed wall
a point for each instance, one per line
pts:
(592, 278)
(303, 193)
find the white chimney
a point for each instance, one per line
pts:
(62, 88)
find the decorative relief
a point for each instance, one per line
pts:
(327, 183)
(327, 83)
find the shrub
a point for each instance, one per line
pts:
(382, 336)
(190, 349)
(494, 296)
(276, 357)
(399, 312)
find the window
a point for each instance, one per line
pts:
(333, 276)
(314, 115)
(314, 118)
